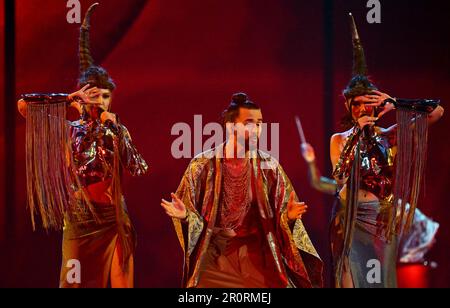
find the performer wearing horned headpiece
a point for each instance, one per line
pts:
(413, 244)
(380, 173)
(74, 176)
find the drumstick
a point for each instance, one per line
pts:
(300, 129)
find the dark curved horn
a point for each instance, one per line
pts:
(359, 59)
(85, 53)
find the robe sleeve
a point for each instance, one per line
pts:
(190, 191)
(298, 252)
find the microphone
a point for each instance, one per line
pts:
(367, 131)
(96, 111)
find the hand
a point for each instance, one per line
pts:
(22, 107)
(105, 116)
(176, 208)
(85, 96)
(378, 99)
(366, 120)
(308, 152)
(295, 210)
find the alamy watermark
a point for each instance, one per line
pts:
(73, 275)
(374, 14)
(74, 13)
(249, 138)
(374, 274)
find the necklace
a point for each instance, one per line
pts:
(236, 197)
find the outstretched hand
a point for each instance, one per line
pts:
(176, 208)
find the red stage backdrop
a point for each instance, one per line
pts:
(174, 59)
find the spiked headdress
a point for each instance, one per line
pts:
(360, 83)
(91, 74)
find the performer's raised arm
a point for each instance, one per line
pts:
(316, 180)
(384, 103)
(75, 100)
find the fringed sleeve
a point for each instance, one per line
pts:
(412, 142)
(48, 179)
(350, 214)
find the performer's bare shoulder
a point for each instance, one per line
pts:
(336, 144)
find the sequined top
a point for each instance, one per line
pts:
(378, 153)
(93, 146)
